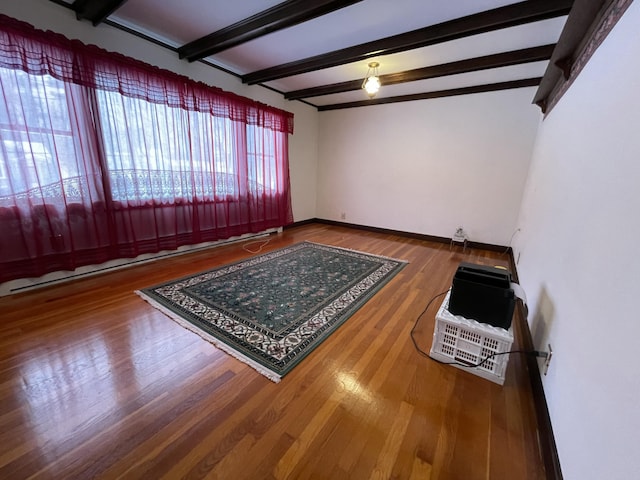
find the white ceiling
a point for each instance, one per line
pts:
(177, 23)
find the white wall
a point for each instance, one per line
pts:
(429, 166)
(46, 15)
(579, 260)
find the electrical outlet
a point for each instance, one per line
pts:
(547, 360)
(343, 216)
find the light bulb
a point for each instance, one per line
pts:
(372, 85)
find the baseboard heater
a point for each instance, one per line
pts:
(129, 263)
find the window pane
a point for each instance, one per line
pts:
(162, 154)
(37, 149)
(262, 159)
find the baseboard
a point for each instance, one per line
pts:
(546, 439)
(400, 233)
(300, 223)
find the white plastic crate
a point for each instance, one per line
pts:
(463, 340)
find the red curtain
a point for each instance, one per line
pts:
(104, 157)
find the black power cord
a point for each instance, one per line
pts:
(466, 365)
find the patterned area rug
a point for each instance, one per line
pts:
(272, 310)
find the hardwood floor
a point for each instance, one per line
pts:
(96, 383)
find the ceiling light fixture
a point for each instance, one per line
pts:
(371, 83)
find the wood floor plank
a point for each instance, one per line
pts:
(388, 454)
(96, 383)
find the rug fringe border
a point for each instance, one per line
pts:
(274, 377)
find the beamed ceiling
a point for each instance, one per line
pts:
(317, 51)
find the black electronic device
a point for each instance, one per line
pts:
(483, 294)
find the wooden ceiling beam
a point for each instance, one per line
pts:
(498, 18)
(276, 18)
(490, 87)
(506, 59)
(95, 10)
(572, 38)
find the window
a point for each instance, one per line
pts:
(102, 156)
